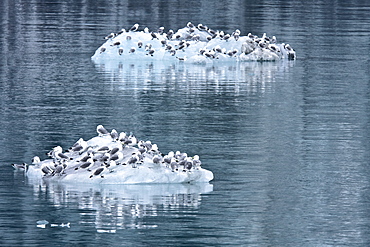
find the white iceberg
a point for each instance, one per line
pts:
(117, 158)
(192, 44)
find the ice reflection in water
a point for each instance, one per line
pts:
(112, 207)
(249, 76)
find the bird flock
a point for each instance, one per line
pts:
(193, 43)
(115, 157)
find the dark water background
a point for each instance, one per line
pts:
(288, 142)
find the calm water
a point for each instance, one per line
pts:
(288, 142)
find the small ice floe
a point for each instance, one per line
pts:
(191, 44)
(106, 231)
(68, 225)
(42, 223)
(118, 158)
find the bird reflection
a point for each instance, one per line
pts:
(112, 207)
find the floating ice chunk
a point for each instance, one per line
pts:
(68, 225)
(106, 231)
(112, 158)
(42, 223)
(196, 44)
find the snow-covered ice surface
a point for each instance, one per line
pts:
(116, 158)
(191, 44)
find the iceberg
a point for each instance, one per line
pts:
(116, 158)
(195, 44)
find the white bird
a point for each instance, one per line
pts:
(114, 134)
(134, 28)
(36, 160)
(112, 165)
(101, 130)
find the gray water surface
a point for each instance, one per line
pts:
(288, 141)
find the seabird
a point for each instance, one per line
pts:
(63, 156)
(226, 37)
(230, 53)
(180, 156)
(114, 150)
(142, 150)
(101, 130)
(148, 145)
(154, 36)
(103, 149)
(154, 148)
(157, 159)
(120, 51)
(132, 50)
(21, 167)
(274, 48)
(86, 164)
(133, 160)
(273, 40)
(196, 37)
(148, 47)
(121, 31)
(122, 137)
(139, 44)
(98, 172)
(132, 139)
(151, 52)
(290, 52)
(111, 165)
(190, 25)
(188, 164)
(196, 161)
(46, 170)
(84, 159)
(168, 47)
(202, 27)
(212, 32)
(134, 28)
(59, 169)
(236, 36)
(160, 30)
(173, 165)
(110, 36)
(163, 42)
(169, 34)
(181, 47)
(36, 160)
(167, 158)
(77, 148)
(116, 156)
(217, 48)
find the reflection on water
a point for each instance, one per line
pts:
(112, 207)
(249, 75)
